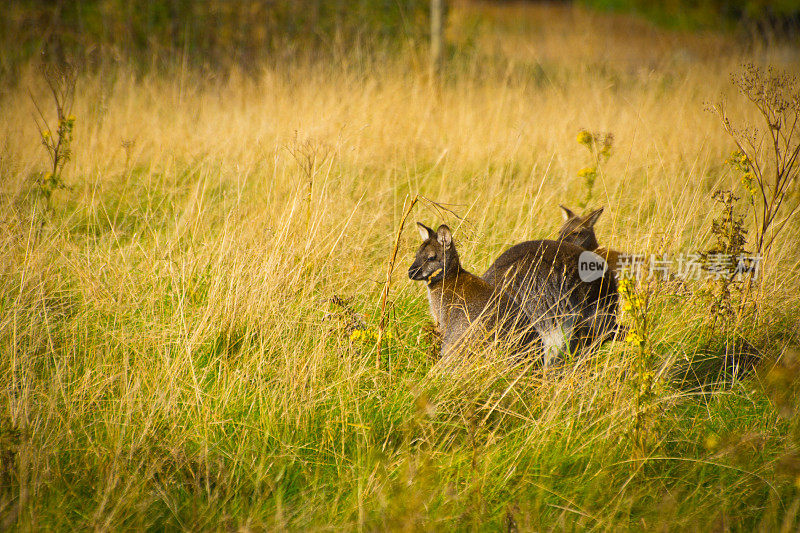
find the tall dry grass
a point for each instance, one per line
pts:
(177, 332)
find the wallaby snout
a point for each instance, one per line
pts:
(415, 272)
(423, 271)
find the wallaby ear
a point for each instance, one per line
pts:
(566, 213)
(591, 219)
(425, 232)
(444, 236)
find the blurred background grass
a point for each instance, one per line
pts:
(213, 35)
(218, 34)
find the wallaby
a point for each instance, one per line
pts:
(569, 306)
(465, 307)
(579, 230)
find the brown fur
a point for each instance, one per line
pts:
(544, 279)
(579, 230)
(465, 307)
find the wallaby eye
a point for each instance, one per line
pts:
(431, 256)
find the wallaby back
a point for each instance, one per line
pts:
(579, 230)
(544, 278)
(466, 308)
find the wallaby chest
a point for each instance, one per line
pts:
(457, 297)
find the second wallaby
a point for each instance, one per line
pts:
(465, 307)
(569, 306)
(579, 230)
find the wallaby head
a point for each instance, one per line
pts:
(436, 256)
(579, 230)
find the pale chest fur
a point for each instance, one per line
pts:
(440, 302)
(434, 309)
(451, 309)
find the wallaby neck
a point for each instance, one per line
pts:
(447, 278)
(441, 294)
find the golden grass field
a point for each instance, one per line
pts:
(173, 356)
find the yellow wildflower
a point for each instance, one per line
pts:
(586, 172)
(634, 338)
(585, 138)
(738, 158)
(747, 180)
